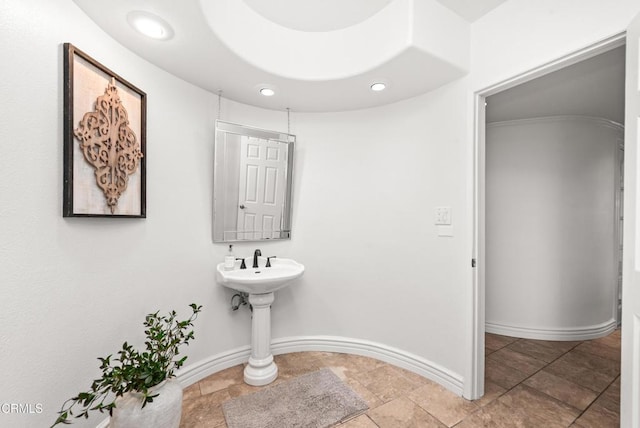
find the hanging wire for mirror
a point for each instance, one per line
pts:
(219, 102)
(288, 120)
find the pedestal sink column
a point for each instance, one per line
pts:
(261, 369)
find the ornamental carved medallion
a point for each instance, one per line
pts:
(109, 145)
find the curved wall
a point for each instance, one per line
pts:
(550, 226)
(367, 181)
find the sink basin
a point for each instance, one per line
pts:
(260, 283)
(259, 280)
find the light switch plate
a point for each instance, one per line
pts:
(443, 215)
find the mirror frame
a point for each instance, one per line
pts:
(219, 192)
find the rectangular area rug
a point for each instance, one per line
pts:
(314, 400)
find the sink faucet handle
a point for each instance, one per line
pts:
(242, 265)
(269, 261)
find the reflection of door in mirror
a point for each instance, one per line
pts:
(252, 183)
(263, 166)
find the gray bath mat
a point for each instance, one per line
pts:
(315, 400)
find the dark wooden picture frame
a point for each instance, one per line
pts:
(105, 120)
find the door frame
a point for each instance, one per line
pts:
(474, 389)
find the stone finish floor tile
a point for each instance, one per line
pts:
(605, 411)
(496, 341)
(369, 397)
(561, 345)
(349, 365)
(539, 405)
(516, 360)
(296, 364)
(528, 384)
(562, 389)
(190, 392)
(361, 421)
(403, 413)
(539, 349)
(442, 403)
(222, 380)
(612, 394)
(580, 375)
(414, 377)
(590, 371)
(598, 416)
(491, 392)
(386, 382)
(601, 350)
(499, 415)
(593, 362)
(612, 340)
(204, 411)
(241, 389)
(502, 375)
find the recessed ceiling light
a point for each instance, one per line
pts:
(150, 25)
(267, 92)
(378, 86)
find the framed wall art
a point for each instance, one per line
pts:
(104, 141)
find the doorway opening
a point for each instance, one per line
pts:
(528, 96)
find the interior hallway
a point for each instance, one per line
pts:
(529, 383)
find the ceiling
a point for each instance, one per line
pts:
(593, 87)
(471, 9)
(316, 55)
(314, 15)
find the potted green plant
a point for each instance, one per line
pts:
(134, 379)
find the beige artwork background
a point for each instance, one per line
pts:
(89, 83)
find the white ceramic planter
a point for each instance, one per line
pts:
(164, 412)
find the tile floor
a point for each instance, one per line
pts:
(529, 383)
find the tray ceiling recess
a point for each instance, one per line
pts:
(313, 56)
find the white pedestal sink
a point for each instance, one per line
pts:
(260, 283)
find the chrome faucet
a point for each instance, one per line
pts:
(256, 253)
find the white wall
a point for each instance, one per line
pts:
(521, 35)
(366, 184)
(365, 187)
(74, 289)
(550, 221)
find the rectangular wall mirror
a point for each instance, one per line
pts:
(252, 176)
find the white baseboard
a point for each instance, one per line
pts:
(397, 357)
(192, 373)
(450, 380)
(197, 371)
(558, 334)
